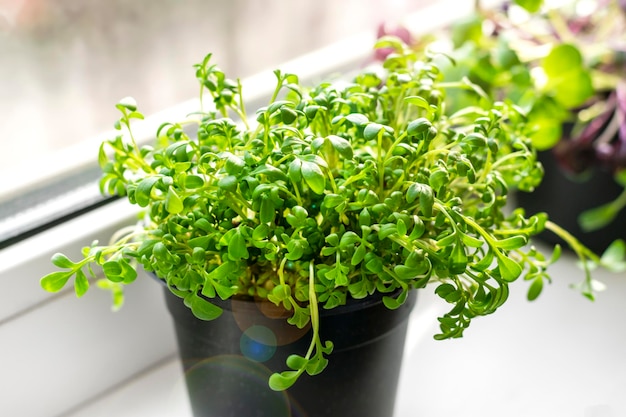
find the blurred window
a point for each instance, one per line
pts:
(65, 63)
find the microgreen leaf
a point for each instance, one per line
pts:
(471, 241)
(458, 259)
(267, 212)
(535, 288)
(372, 130)
(300, 317)
(341, 145)
(419, 102)
(406, 273)
(419, 126)
(387, 230)
(509, 269)
(316, 365)
(193, 182)
(228, 183)
(237, 247)
(295, 170)
(348, 238)
(598, 217)
(54, 281)
(425, 195)
(313, 176)
(201, 308)
(173, 203)
(614, 256)
(62, 261)
(359, 255)
(283, 380)
(357, 119)
(511, 243)
(394, 303)
(144, 190)
(296, 362)
(113, 271)
(81, 283)
(127, 103)
(119, 271)
(333, 200)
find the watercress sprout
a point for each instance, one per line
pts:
(331, 192)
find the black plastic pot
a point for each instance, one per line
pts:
(564, 197)
(227, 362)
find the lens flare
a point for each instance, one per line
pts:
(235, 386)
(266, 314)
(258, 343)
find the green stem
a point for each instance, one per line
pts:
(389, 152)
(279, 86)
(333, 184)
(439, 206)
(362, 174)
(584, 254)
(296, 190)
(381, 164)
(411, 245)
(314, 310)
(281, 271)
(434, 152)
(241, 110)
(514, 155)
(397, 279)
(465, 84)
(201, 98)
(399, 183)
(281, 279)
(232, 204)
(123, 235)
(581, 250)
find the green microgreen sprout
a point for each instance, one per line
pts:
(331, 192)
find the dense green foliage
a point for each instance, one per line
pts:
(329, 192)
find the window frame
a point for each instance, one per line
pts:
(67, 185)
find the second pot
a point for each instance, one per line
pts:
(564, 198)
